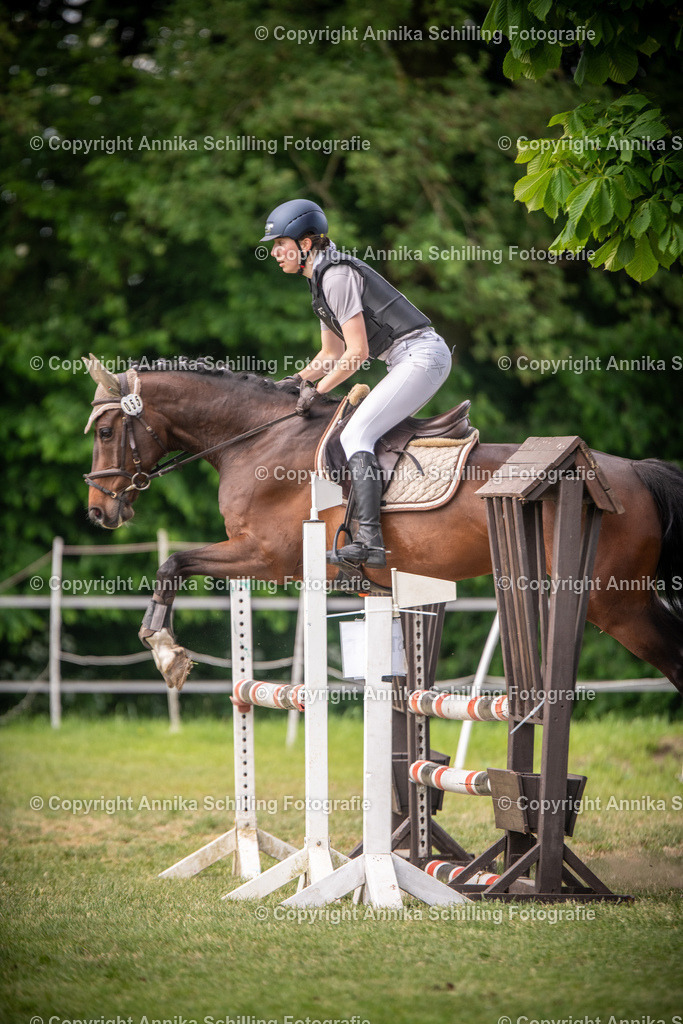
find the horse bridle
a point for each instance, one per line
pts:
(132, 409)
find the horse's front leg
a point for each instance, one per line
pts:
(231, 558)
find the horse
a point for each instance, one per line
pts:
(246, 428)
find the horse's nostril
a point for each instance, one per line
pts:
(95, 512)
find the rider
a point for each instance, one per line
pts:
(362, 316)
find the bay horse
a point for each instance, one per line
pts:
(264, 495)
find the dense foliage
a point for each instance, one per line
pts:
(616, 171)
(143, 147)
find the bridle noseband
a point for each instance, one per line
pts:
(132, 409)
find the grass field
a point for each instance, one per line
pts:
(90, 933)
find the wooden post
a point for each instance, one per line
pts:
(56, 632)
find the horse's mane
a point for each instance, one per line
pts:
(211, 367)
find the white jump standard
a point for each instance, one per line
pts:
(381, 873)
(315, 860)
(245, 839)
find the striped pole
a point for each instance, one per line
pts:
(450, 780)
(445, 872)
(278, 696)
(457, 708)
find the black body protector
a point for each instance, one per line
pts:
(388, 314)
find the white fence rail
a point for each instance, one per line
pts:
(58, 601)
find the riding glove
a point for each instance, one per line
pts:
(307, 397)
(296, 380)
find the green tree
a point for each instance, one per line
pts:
(616, 170)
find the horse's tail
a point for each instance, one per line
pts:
(665, 483)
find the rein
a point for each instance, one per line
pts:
(132, 409)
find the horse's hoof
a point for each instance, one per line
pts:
(170, 658)
(176, 675)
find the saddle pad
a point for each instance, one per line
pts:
(442, 461)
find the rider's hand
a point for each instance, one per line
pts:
(307, 397)
(296, 380)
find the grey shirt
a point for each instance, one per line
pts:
(343, 291)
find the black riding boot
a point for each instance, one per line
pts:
(368, 545)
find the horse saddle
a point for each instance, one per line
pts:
(331, 458)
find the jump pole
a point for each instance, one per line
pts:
(245, 839)
(314, 861)
(381, 873)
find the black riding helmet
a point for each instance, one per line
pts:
(293, 220)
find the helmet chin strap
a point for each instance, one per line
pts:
(303, 256)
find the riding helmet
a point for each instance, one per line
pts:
(295, 219)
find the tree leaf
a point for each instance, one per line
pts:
(640, 221)
(525, 153)
(623, 64)
(540, 8)
(643, 266)
(605, 251)
(580, 197)
(658, 216)
(532, 189)
(601, 209)
(550, 207)
(624, 254)
(512, 67)
(650, 46)
(575, 124)
(620, 201)
(559, 119)
(631, 184)
(561, 185)
(593, 66)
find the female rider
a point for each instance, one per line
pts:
(362, 316)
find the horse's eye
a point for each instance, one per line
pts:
(105, 432)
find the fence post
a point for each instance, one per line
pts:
(56, 632)
(171, 694)
(477, 684)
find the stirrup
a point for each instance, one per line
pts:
(362, 555)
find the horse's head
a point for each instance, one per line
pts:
(124, 452)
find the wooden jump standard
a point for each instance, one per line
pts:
(542, 625)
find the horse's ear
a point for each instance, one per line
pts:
(101, 375)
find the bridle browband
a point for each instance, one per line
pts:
(132, 409)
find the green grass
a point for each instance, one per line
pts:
(89, 931)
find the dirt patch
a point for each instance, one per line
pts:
(630, 873)
(672, 746)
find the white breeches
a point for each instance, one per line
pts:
(416, 370)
